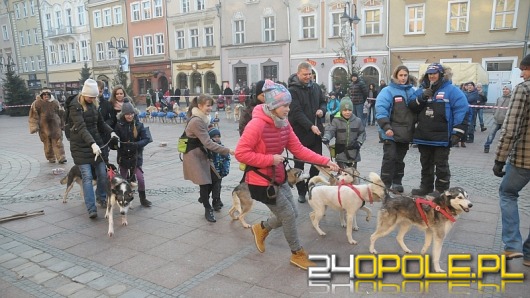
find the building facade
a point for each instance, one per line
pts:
(7, 46)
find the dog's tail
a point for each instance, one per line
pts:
(314, 182)
(64, 179)
(377, 186)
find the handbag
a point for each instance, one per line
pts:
(183, 142)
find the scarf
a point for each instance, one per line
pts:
(278, 122)
(118, 105)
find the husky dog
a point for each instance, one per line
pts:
(435, 217)
(345, 197)
(242, 201)
(74, 175)
(120, 194)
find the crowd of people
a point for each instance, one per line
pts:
(300, 118)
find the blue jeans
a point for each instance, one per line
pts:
(491, 136)
(514, 180)
(358, 111)
(88, 189)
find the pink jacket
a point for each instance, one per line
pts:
(261, 140)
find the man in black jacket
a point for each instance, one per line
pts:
(306, 115)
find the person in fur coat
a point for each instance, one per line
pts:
(46, 116)
(197, 166)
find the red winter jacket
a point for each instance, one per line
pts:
(261, 140)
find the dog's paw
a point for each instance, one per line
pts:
(356, 228)
(353, 242)
(423, 251)
(124, 222)
(343, 224)
(246, 226)
(322, 233)
(111, 233)
(373, 251)
(439, 270)
(407, 251)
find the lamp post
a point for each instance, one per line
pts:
(120, 45)
(348, 32)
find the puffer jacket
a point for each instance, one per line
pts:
(130, 145)
(358, 92)
(307, 99)
(261, 140)
(87, 128)
(346, 132)
(392, 112)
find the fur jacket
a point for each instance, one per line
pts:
(46, 118)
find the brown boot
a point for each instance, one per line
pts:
(260, 233)
(463, 144)
(299, 258)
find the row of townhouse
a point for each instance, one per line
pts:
(195, 44)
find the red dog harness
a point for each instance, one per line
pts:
(110, 173)
(445, 211)
(356, 191)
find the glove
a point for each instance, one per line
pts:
(114, 136)
(325, 141)
(497, 168)
(427, 93)
(96, 150)
(454, 140)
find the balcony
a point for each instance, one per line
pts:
(58, 32)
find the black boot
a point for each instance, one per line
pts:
(217, 204)
(208, 214)
(145, 202)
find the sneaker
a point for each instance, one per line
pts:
(62, 161)
(398, 187)
(512, 254)
(301, 198)
(486, 149)
(101, 203)
(526, 263)
(260, 234)
(93, 214)
(420, 191)
(300, 259)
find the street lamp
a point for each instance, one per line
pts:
(120, 45)
(346, 17)
(348, 34)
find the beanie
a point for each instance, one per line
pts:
(276, 95)
(90, 88)
(214, 132)
(346, 104)
(127, 108)
(259, 87)
(525, 63)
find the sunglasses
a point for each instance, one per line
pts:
(45, 93)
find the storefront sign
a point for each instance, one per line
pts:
(312, 62)
(339, 61)
(370, 60)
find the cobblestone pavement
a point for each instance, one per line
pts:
(170, 250)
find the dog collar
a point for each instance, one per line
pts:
(444, 211)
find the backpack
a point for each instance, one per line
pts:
(67, 122)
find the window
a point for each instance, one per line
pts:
(39, 63)
(53, 54)
(17, 11)
(185, 6)
(137, 42)
(81, 15)
(84, 50)
(63, 55)
(504, 14)
(270, 72)
(200, 4)
(32, 61)
(107, 17)
(58, 19)
(100, 51)
(269, 29)
(159, 44)
(22, 39)
(146, 10)
(194, 38)
(158, 9)
(48, 18)
(69, 18)
(499, 65)
(25, 9)
(73, 53)
(148, 45)
(32, 9)
(458, 16)
(36, 35)
(135, 11)
(97, 19)
(415, 18)
(25, 64)
(28, 37)
(372, 25)
(239, 31)
(179, 35)
(110, 51)
(308, 27)
(5, 32)
(336, 25)
(118, 17)
(208, 37)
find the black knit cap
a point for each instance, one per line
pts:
(259, 87)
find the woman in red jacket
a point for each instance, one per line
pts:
(265, 137)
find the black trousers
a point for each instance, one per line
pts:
(393, 166)
(434, 161)
(206, 189)
(302, 185)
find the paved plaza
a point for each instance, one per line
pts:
(170, 250)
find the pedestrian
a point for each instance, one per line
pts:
(396, 126)
(133, 138)
(46, 117)
(261, 146)
(372, 95)
(441, 109)
(382, 85)
(117, 98)
(481, 102)
(228, 94)
(473, 98)
(358, 93)
(87, 129)
(197, 166)
(148, 101)
(187, 95)
(339, 92)
(512, 155)
(106, 111)
(222, 166)
(499, 115)
(333, 106)
(177, 97)
(349, 133)
(306, 114)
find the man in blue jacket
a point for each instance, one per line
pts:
(441, 123)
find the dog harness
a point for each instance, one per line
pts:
(445, 211)
(356, 191)
(110, 173)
